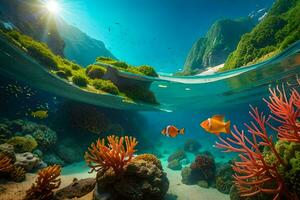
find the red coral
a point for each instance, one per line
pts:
(286, 111)
(101, 157)
(253, 173)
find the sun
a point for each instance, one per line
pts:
(53, 6)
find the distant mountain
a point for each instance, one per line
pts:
(220, 40)
(31, 18)
(80, 47)
(276, 31)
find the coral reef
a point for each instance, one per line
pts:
(17, 174)
(76, 189)
(175, 165)
(45, 183)
(45, 137)
(23, 143)
(149, 158)
(141, 180)
(192, 145)
(262, 168)
(177, 155)
(186, 177)
(202, 169)
(224, 179)
(100, 157)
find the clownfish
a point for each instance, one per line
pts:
(172, 131)
(216, 125)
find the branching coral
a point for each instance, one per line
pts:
(115, 155)
(255, 173)
(5, 163)
(45, 183)
(286, 111)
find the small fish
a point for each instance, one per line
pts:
(40, 114)
(172, 131)
(216, 125)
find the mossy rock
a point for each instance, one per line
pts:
(80, 80)
(120, 64)
(23, 143)
(61, 74)
(140, 94)
(106, 86)
(95, 71)
(147, 70)
(104, 59)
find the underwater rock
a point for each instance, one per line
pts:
(203, 184)
(76, 189)
(178, 155)
(27, 160)
(53, 159)
(175, 165)
(192, 145)
(8, 150)
(23, 143)
(224, 179)
(203, 168)
(186, 177)
(141, 180)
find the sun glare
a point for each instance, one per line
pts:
(53, 6)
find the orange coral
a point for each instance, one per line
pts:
(5, 163)
(115, 155)
(45, 183)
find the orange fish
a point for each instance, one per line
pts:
(172, 131)
(216, 125)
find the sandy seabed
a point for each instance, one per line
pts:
(17, 191)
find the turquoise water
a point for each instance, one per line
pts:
(47, 121)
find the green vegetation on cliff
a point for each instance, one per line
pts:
(279, 29)
(220, 40)
(89, 79)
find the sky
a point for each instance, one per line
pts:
(159, 33)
